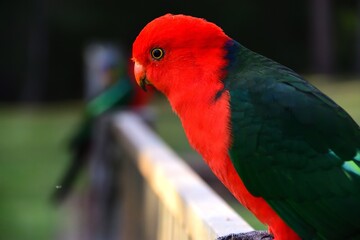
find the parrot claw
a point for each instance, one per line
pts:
(254, 235)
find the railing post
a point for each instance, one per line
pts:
(162, 197)
(104, 196)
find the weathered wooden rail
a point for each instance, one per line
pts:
(142, 190)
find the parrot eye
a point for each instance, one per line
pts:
(157, 53)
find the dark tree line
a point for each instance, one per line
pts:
(42, 41)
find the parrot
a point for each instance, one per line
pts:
(284, 149)
(120, 94)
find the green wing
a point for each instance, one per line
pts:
(294, 147)
(116, 96)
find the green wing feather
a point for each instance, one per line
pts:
(294, 146)
(118, 95)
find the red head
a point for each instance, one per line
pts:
(185, 58)
(178, 52)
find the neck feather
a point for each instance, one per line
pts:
(205, 116)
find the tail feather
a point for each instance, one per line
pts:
(77, 163)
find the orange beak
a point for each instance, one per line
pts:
(140, 75)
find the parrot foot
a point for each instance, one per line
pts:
(254, 235)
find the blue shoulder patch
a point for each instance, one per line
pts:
(232, 47)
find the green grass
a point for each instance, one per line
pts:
(32, 151)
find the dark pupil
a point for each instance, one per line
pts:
(157, 53)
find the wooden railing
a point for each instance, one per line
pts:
(142, 190)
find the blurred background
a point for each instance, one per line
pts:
(44, 79)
